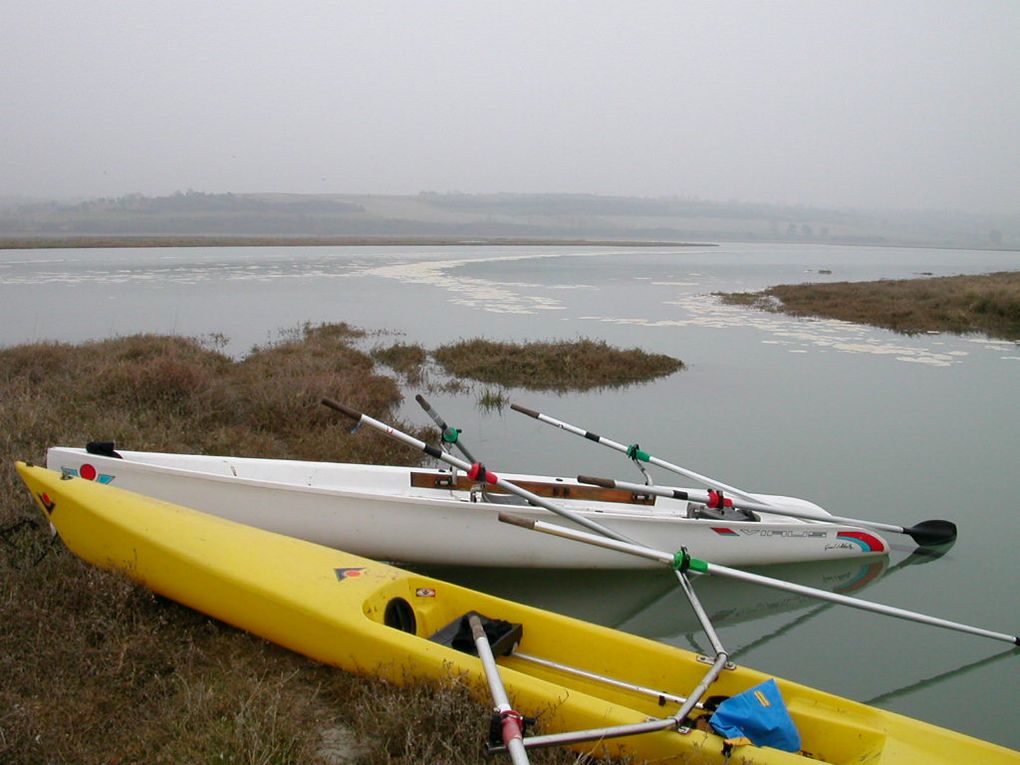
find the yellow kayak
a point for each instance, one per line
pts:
(371, 618)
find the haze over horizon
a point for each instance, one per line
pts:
(869, 105)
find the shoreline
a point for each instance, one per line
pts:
(88, 242)
(986, 304)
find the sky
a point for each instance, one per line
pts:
(871, 104)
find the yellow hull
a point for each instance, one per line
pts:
(332, 606)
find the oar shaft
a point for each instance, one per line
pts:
(697, 496)
(863, 605)
(662, 696)
(635, 454)
(447, 435)
(439, 454)
(596, 734)
(553, 529)
(510, 720)
(711, 568)
(926, 533)
(699, 611)
(687, 494)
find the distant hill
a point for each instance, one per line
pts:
(544, 216)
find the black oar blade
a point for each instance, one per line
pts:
(932, 533)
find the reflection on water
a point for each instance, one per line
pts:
(943, 676)
(650, 604)
(865, 577)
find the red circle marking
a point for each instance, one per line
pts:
(88, 472)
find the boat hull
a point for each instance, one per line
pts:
(334, 607)
(400, 514)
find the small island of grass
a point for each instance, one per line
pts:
(561, 366)
(987, 303)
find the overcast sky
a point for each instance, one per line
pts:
(885, 104)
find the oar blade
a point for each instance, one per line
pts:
(932, 533)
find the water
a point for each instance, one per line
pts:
(863, 421)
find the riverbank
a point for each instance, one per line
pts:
(99, 670)
(86, 242)
(987, 303)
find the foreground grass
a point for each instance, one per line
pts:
(98, 670)
(989, 304)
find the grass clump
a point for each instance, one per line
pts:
(988, 303)
(404, 358)
(492, 400)
(99, 670)
(561, 366)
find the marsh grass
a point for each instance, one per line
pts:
(95, 669)
(987, 304)
(407, 359)
(490, 400)
(561, 366)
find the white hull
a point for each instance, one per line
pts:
(377, 512)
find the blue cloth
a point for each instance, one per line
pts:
(757, 716)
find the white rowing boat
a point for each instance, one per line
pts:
(419, 515)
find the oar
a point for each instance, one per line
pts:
(681, 561)
(914, 559)
(447, 434)
(511, 722)
(926, 533)
(476, 471)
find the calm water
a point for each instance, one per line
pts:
(865, 422)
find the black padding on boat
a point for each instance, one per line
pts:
(102, 449)
(731, 514)
(712, 702)
(502, 635)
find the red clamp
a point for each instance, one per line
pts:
(477, 472)
(716, 500)
(513, 725)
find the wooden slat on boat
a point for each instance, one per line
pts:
(556, 490)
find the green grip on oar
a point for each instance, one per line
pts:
(450, 435)
(683, 562)
(635, 453)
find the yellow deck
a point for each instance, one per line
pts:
(330, 606)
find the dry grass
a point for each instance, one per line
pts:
(97, 670)
(988, 304)
(561, 366)
(405, 358)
